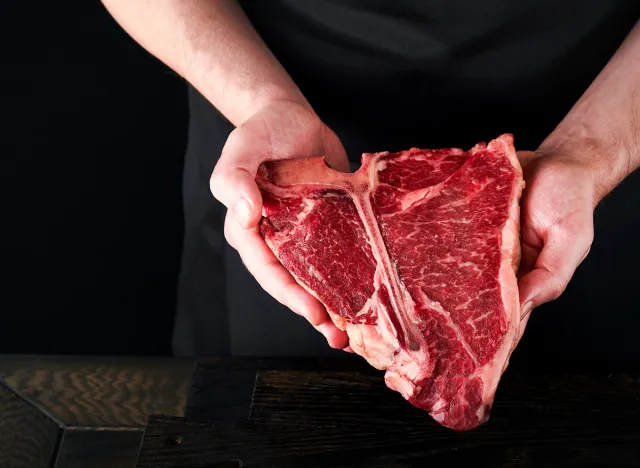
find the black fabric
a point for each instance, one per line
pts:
(391, 75)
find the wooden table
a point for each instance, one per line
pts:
(321, 413)
(244, 412)
(83, 412)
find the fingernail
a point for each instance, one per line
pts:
(242, 210)
(526, 309)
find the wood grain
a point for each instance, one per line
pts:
(339, 419)
(28, 438)
(221, 389)
(251, 446)
(100, 392)
(96, 408)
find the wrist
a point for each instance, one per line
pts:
(240, 100)
(605, 163)
(273, 95)
(240, 90)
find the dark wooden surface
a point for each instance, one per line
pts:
(100, 392)
(96, 408)
(28, 438)
(221, 389)
(83, 448)
(261, 413)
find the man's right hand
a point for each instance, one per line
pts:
(281, 130)
(214, 46)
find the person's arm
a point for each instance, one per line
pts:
(212, 44)
(595, 146)
(602, 129)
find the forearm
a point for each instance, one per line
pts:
(603, 128)
(212, 44)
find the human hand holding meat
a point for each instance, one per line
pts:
(214, 46)
(436, 315)
(556, 226)
(281, 130)
(594, 148)
(443, 332)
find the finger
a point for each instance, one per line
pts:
(523, 325)
(528, 257)
(554, 267)
(295, 135)
(336, 338)
(276, 280)
(233, 179)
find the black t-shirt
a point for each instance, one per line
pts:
(391, 75)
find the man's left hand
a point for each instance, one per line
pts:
(556, 225)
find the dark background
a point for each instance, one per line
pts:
(93, 135)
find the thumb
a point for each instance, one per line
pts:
(233, 179)
(553, 269)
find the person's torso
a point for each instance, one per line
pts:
(389, 75)
(442, 73)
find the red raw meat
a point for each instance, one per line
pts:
(415, 256)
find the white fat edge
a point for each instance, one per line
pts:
(325, 179)
(380, 165)
(400, 384)
(368, 305)
(379, 345)
(376, 343)
(366, 341)
(307, 171)
(481, 412)
(302, 189)
(409, 365)
(418, 154)
(440, 405)
(376, 164)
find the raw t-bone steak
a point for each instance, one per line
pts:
(414, 255)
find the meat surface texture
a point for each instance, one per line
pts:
(415, 257)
